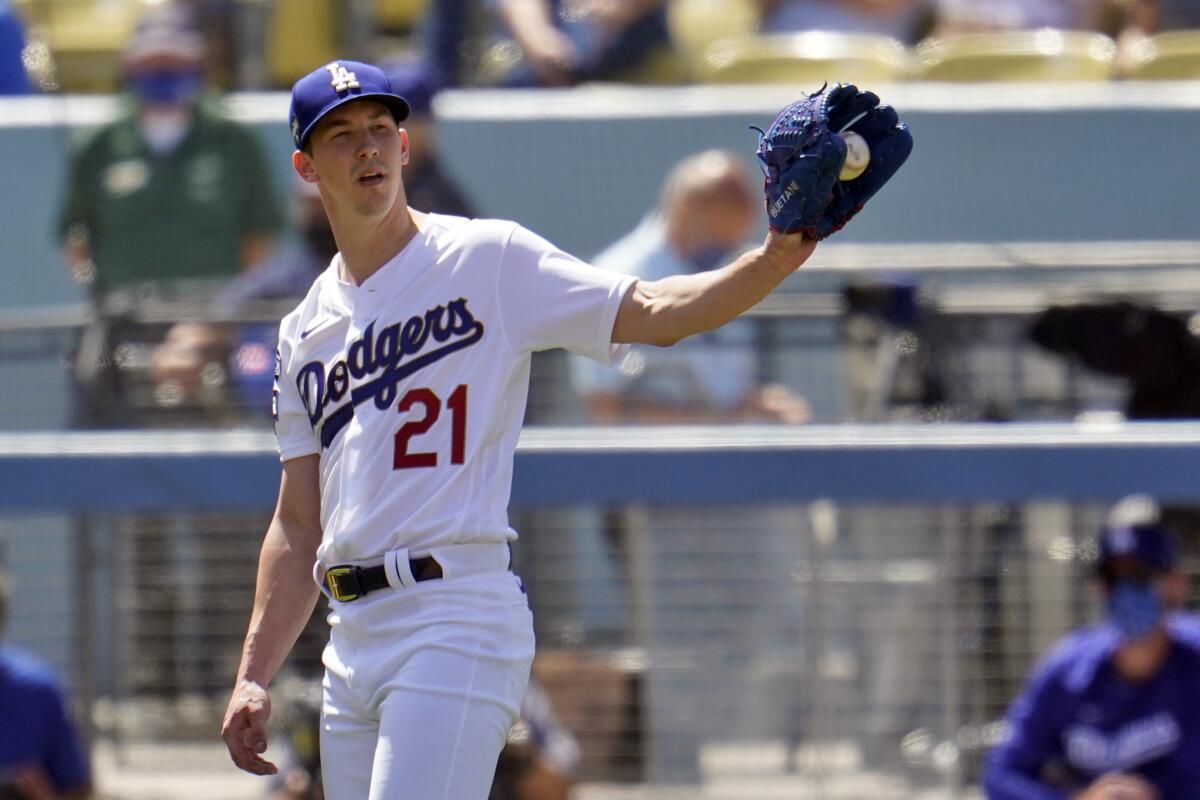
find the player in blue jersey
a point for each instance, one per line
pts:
(40, 753)
(1113, 712)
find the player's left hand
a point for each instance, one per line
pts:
(245, 728)
(803, 152)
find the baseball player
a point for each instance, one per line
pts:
(1112, 712)
(401, 383)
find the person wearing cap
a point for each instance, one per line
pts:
(172, 189)
(171, 193)
(426, 183)
(1113, 712)
(40, 753)
(401, 384)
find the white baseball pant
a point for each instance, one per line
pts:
(422, 684)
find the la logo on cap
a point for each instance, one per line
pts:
(341, 78)
(1122, 540)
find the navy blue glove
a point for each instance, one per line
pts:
(802, 154)
(848, 109)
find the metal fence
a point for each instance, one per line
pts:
(865, 333)
(737, 612)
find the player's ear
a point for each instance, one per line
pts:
(302, 163)
(403, 147)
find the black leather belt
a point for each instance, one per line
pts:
(348, 582)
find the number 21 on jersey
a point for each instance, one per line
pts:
(426, 407)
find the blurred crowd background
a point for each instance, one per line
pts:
(1034, 262)
(77, 45)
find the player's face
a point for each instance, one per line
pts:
(357, 151)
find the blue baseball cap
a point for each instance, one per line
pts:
(335, 84)
(1151, 545)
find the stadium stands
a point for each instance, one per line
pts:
(806, 59)
(1042, 55)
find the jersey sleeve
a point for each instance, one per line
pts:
(62, 758)
(549, 299)
(1032, 739)
(293, 432)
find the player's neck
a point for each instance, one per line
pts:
(366, 244)
(1140, 660)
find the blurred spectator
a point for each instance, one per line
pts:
(565, 42)
(1111, 713)
(13, 77)
(170, 191)
(1155, 16)
(284, 275)
(906, 20)
(425, 182)
(965, 16)
(451, 40)
(40, 756)
(1144, 18)
(1154, 351)
(706, 212)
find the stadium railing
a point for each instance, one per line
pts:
(832, 611)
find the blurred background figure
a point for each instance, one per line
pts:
(963, 16)
(565, 42)
(426, 184)
(248, 349)
(905, 20)
(1146, 18)
(1111, 713)
(706, 212)
(40, 753)
(13, 77)
(172, 191)
(1156, 16)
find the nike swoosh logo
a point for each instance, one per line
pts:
(313, 328)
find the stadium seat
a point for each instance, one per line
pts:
(808, 59)
(399, 15)
(1041, 55)
(662, 67)
(302, 33)
(84, 39)
(695, 24)
(1168, 56)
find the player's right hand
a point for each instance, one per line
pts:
(1119, 787)
(245, 728)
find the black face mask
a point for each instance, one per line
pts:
(319, 236)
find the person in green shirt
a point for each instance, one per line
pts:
(170, 200)
(171, 189)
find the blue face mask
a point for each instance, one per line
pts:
(168, 88)
(1134, 608)
(708, 258)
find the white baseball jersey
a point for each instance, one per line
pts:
(412, 386)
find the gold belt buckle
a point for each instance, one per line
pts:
(337, 577)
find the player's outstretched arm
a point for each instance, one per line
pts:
(284, 598)
(664, 311)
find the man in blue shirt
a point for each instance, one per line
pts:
(1113, 712)
(40, 757)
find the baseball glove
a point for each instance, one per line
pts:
(802, 154)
